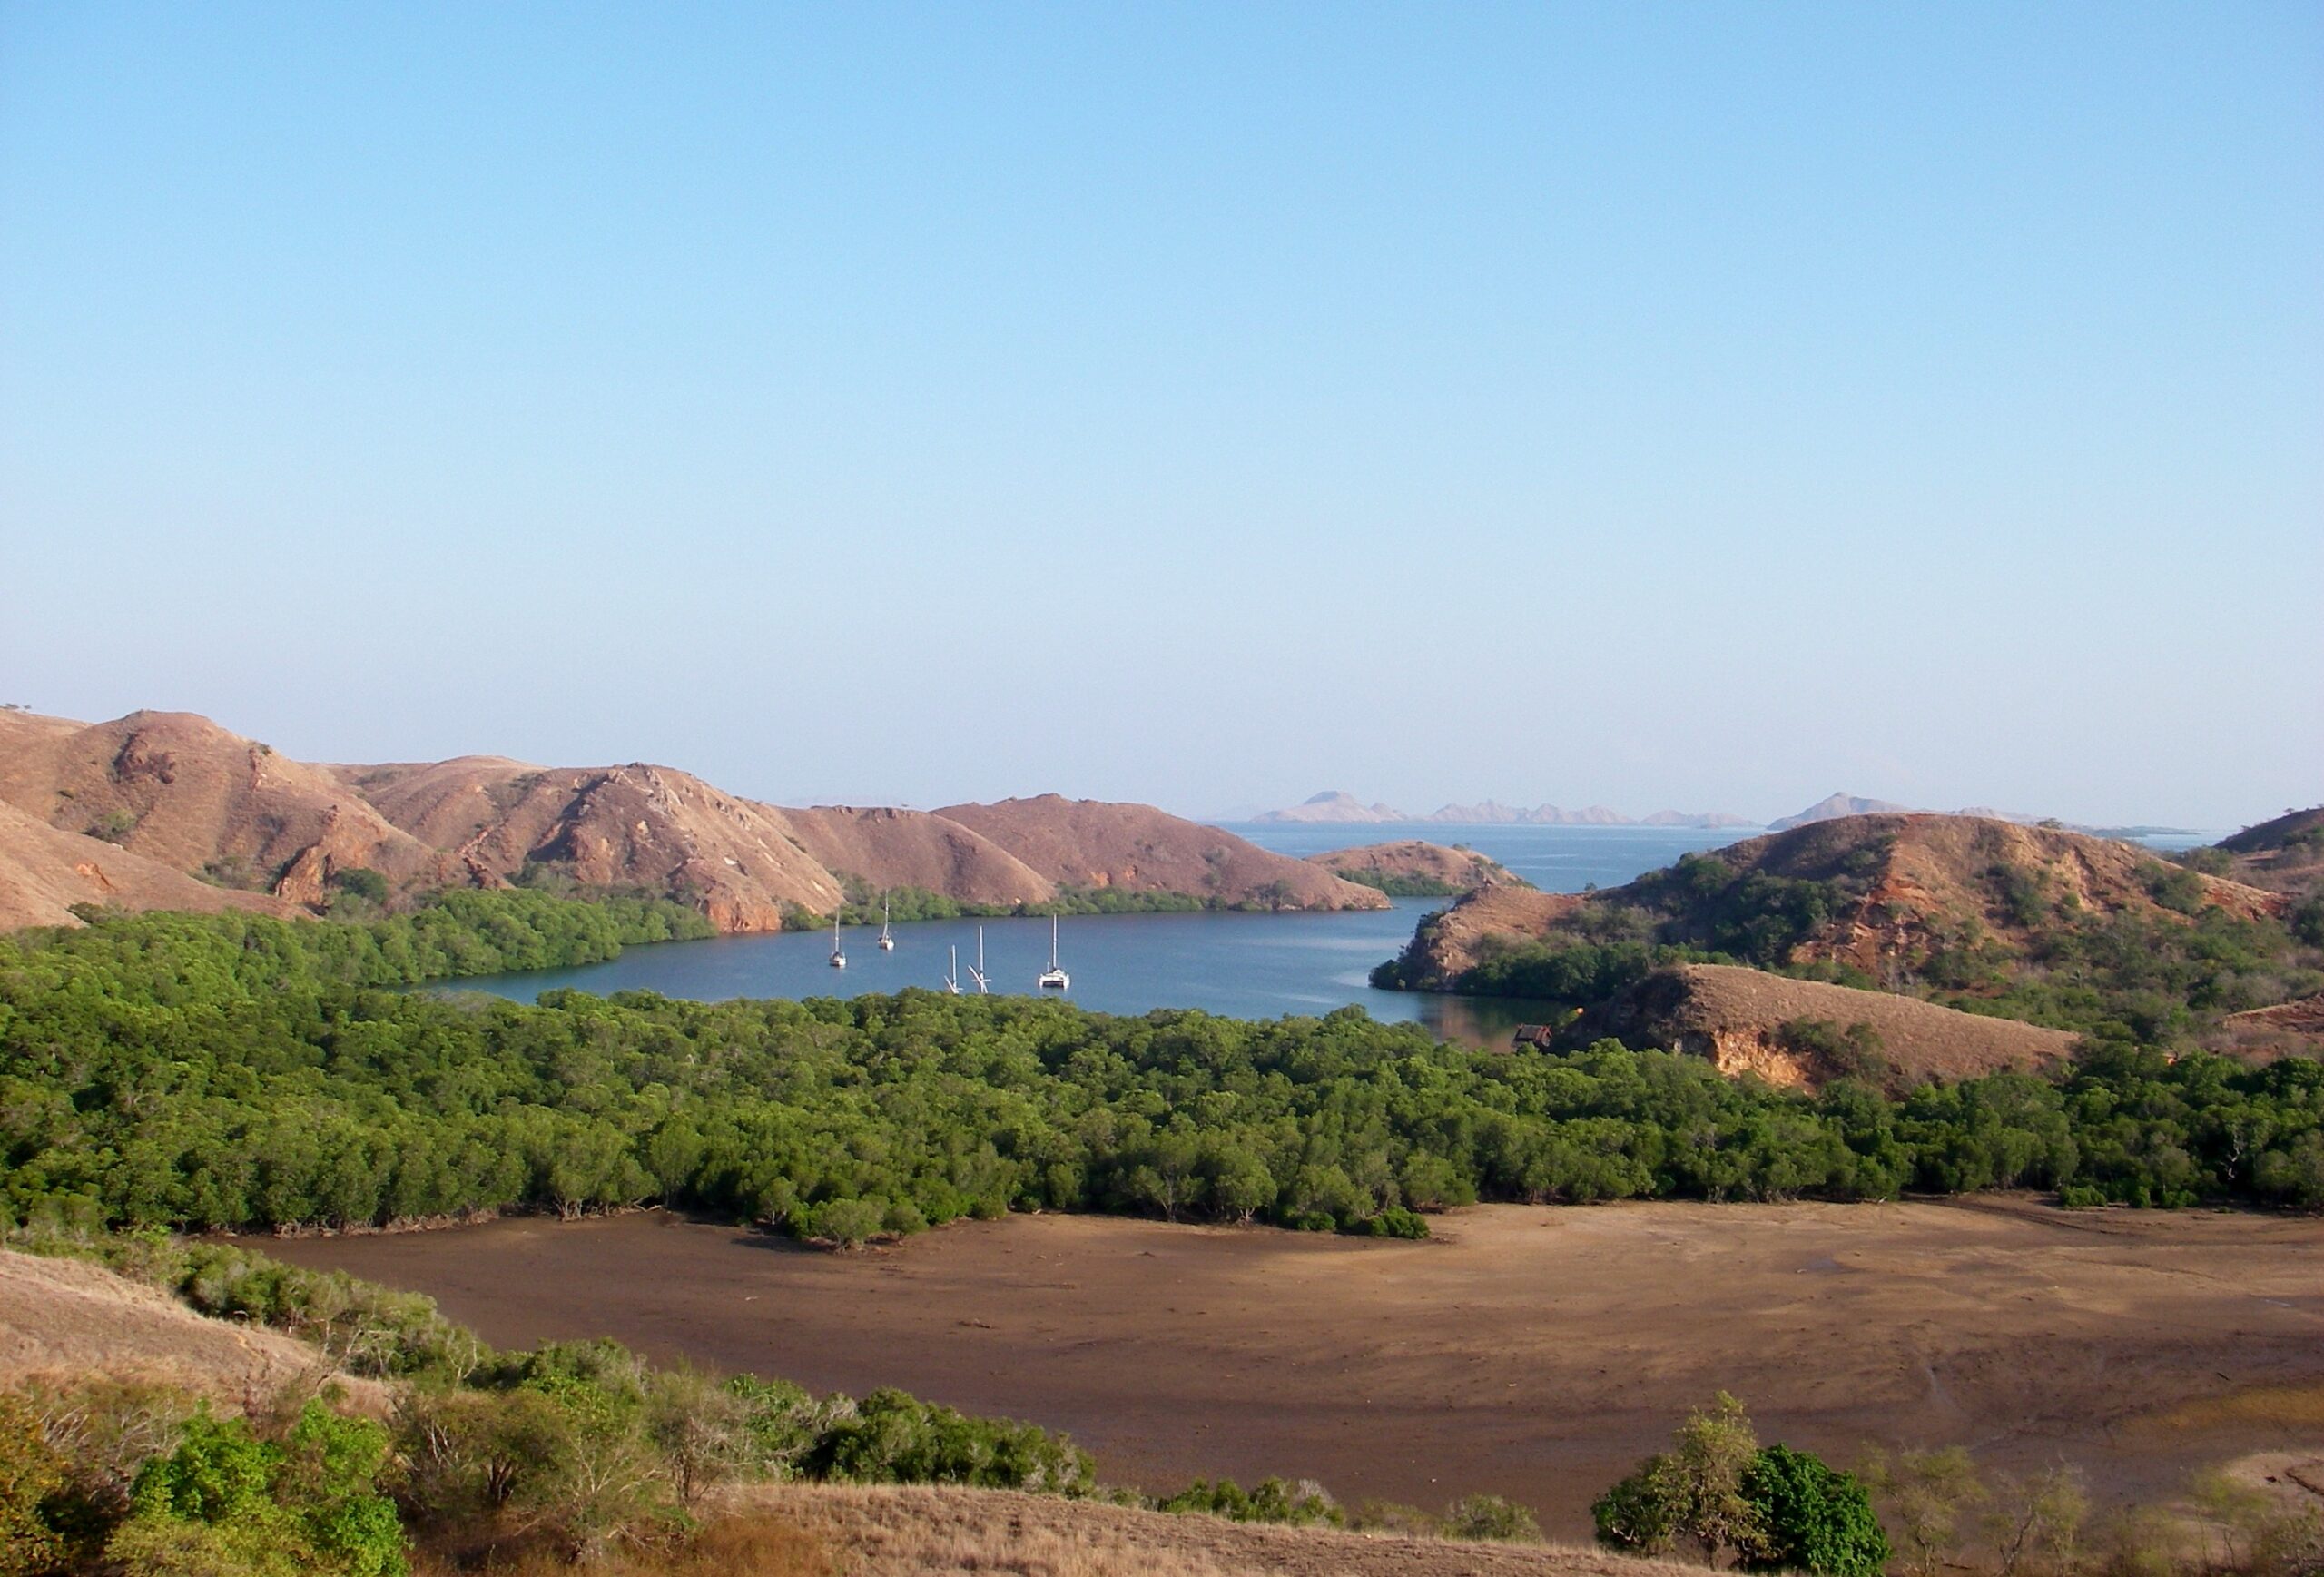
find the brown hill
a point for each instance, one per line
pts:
(2292, 827)
(176, 792)
(184, 792)
(1926, 880)
(1883, 894)
(1737, 1018)
(884, 848)
(1097, 844)
(2284, 855)
(44, 872)
(1414, 866)
(610, 826)
(2293, 1029)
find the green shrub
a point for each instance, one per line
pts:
(1271, 1500)
(32, 1480)
(361, 881)
(1490, 1517)
(2174, 887)
(226, 1500)
(895, 1438)
(1397, 1222)
(1811, 1518)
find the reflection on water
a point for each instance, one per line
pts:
(1249, 966)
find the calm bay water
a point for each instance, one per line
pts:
(1252, 966)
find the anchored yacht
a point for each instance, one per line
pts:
(1054, 978)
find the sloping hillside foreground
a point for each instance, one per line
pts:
(66, 1323)
(917, 1531)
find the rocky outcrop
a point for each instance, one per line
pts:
(1747, 1021)
(1449, 943)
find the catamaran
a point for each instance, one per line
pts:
(887, 942)
(1054, 978)
(839, 958)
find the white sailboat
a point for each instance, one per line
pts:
(976, 970)
(887, 942)
(952, 977)
(1054, 978)
(839, 958)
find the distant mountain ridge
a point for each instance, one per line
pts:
(1335, 806)
(168, 810)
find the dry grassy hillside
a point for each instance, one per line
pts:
(64, 1319)
(2287, 1029)
(1894, 888)
(1414, 860)
(2284, 855)
(186, 794)
(922, 1531)
(1138, 849)
(1738, 1018)
(611, 826)
(895, 848)
(1927, 876)
(44, 872)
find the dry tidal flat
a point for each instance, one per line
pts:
(1535, 1353)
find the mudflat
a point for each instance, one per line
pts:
(1532, 1351)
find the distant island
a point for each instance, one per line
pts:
(1336, 807)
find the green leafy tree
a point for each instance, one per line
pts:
(1693, 1491)
(1810, 1517)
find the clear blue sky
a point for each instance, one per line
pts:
(1702, 406)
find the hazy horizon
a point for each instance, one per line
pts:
(1690, 409)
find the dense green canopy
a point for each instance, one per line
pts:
(226, 1072)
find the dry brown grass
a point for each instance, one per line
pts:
(62, 1320)
(922, 1531)
(2296, 1408)
(747, 1545)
